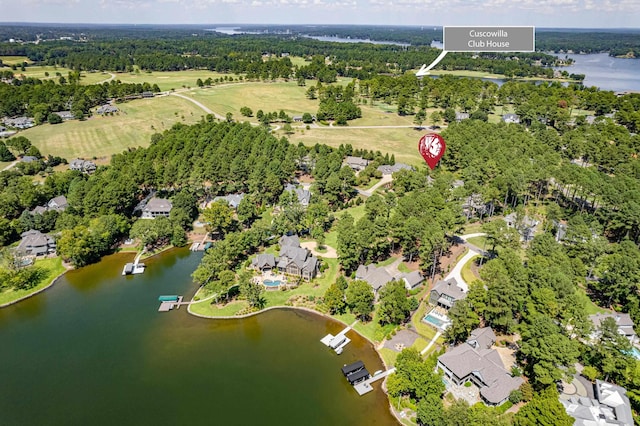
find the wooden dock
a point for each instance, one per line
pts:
(365, 386)
(167, 306)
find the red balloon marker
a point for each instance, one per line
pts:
(431, 147)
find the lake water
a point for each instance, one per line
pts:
(336, 39)
(606, 72)
(93, 350)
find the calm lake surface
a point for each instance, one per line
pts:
(94, 350)
(606, 72)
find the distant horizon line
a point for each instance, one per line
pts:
(107, 24)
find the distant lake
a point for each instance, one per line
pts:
(605, 72)
(336, 39)
(93, 350)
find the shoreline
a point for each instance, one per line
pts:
(383, 386)
(48, 286)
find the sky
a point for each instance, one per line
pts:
(538, 13)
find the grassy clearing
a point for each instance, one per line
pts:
(53, 267)
(467, 274)
(103, 136)
(400, 141)
(268, 97)
(591, 308)
(387, 262)
(230, 309)
(168, 80)
(478, 241)
(404, 268)
(14, 60)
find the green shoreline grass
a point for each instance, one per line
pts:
(53, 268)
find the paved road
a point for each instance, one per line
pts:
(202, 106)
(367, 192)
(457, 270)
(11, 165)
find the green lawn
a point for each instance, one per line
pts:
(402, 142)
(102, 136)
(480, 242)
(168, 80)
(11, 60)
(467, 274)
(268, 97)
(53, 268)
(404, 268)
(591, 308)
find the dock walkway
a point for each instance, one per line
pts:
(337, 342)
(365, 386)
(167, 306)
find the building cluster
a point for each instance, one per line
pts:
(58, 204)
(378, 277)
(292, 260)
(81, 165)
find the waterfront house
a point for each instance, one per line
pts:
(376, 277)
(35, 243)
(446, 293)
(296, 260)
(156, 207)
(476, 362)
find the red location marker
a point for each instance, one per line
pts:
(431, 147)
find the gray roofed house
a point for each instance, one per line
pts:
(156, 207)
(389, 170)
(58, 203)
(296, 260)
(263, 262)
(376, 277)
(65, 115)
(304, 196)
(233, 200)
(106, 109)
(622, 320)
(412, 279)
(474, 361)
(561, 230)
(511, 118)
(85, 166)
(35, 243)
(462, 116)
(39, 210)
(19, 122)
(446, 293)
(356, 163)
(28, 159)
(474, 204)
(611, 407)
(526, 226)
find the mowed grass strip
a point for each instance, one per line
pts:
(168, 80)
(15, 60)
(268, 97)
(402, 142)
(102, 136)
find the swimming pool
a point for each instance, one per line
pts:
(435, 321)
(269, 283)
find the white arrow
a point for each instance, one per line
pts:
(424, 70)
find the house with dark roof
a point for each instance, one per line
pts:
(610, 407)
(356, 163)
(446, 293)
(233, 200)
(35, 243)
(292, 259)
(298, 261)
(387, 169)
(376, 277)
(412, 279)
(80, 165)
(156, 207)
(622, 320)
(476, 362)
